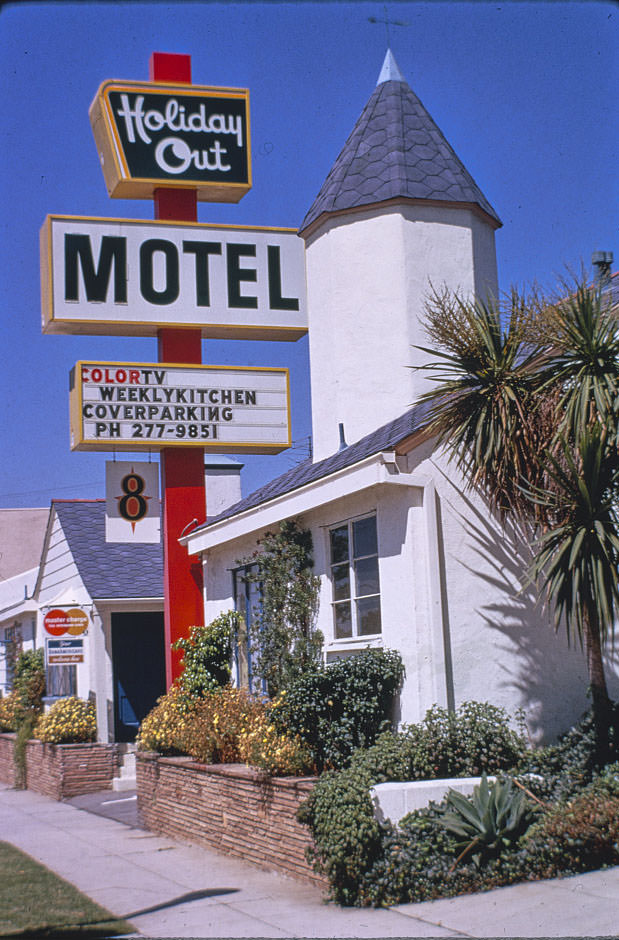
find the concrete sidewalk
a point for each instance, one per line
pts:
(167, 889)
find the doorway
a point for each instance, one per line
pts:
(138, 665)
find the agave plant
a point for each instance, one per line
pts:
(491, 820)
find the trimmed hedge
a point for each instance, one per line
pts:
(342, 706)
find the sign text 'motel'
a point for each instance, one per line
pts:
(137, 406)
(118, 276)
(150, 135)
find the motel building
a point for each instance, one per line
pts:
(408, 558)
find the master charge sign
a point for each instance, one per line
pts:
(138, 406)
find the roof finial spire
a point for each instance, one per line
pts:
(390, 71)
(387, 22)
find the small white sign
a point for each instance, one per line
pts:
(149, 406)
(132, 509)
(64, 652)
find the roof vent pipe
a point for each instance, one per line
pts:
(343, 444)
(602, 261)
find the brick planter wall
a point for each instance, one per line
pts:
(227, 807)
(61, 771)
(7, 765)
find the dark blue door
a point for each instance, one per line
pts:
(138, 664)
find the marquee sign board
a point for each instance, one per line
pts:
(128, 277)
(156, 134)
(137, 406)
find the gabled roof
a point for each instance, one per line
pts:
(108, 569)
(384, 438)
(395, 151)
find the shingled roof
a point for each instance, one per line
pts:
(395, 151)
(384, 438)
(108, 569)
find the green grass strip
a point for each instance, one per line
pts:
(35, 902)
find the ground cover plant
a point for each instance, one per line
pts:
(519, 828)
(36, 902)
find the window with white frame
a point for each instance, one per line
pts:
(247, 594)
(354, 578)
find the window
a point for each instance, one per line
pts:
(61, 681)
(247, 603)
(354, 578)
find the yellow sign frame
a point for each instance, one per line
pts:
(118, 179)
(153, 443)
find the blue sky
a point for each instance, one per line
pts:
(524, 92)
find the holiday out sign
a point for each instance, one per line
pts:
(119, 276)
(151, 134)
(137, 406)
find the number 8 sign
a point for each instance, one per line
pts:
(132, 511)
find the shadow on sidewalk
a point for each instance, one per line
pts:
(99, 929)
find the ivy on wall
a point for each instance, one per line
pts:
(283, 639)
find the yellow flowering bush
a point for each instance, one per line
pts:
(225, 726)
(165, 723)
(277, 754)
(212, 732)
(68, 721)
(9, 708)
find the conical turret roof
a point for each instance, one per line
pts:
(395, 151)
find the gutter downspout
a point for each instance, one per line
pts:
(442, 664)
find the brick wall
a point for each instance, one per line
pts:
(7, 765)
(61, 771)
(228, 807)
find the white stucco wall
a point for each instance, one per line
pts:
(454, 598)
(61, 584)
(369, 274)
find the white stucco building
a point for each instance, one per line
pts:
(407, 558)
(117, 586)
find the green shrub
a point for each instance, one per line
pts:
(68, 721)
(29, 688)
(477, 737)
(577, 835)
(340, 707)
(347, 838)
(207, 655)
(349, 842)
(30, 681)
(9, 710)
(570, 764)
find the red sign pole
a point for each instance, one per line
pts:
(182, 469)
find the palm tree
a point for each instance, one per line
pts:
(526, 401)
